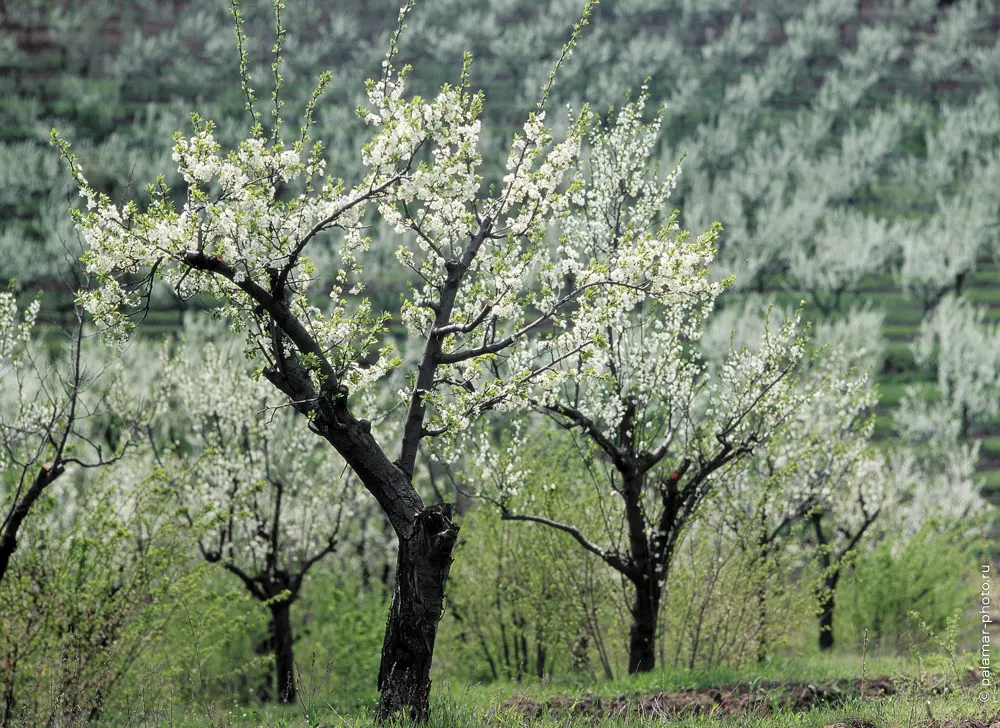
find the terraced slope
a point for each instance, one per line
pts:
(119, 80)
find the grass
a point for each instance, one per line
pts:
(904, 713)
(448, 711)
(891, 391)
(905, 332)
(620, 703)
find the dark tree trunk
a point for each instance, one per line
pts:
(826, 591)
(7, 718)
(826, 604)
(422, 566)
(642, 638)
(265, 689)
(763, 549)
(281, 641)
(761, 625)
(8, 539)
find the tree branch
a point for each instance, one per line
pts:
(587, 425)
(276, 309)
(8, 540)
(611, 558)
(495, 346)
(413, 427)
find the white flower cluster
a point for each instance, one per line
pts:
(618, 255)
(238, 231)
(819, 463)
(965, 350)
(15, 327)
(23, 416)
(934, 468)
(935, 477)
(255, 485)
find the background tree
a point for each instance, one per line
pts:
(263, 498)
(55, 415)
(86, 594)
(775, 495)
(647, 407)
(964, 349)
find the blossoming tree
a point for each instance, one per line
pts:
(823, 488)
(485, 285)
(863, 494)
(53, 416)
(835, 482)
(964, 349)
(807, 476)
(261, 496)
(657, 427)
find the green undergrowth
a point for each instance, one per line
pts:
(502, 703)
(816, 669)
(904, 713)
(474, 709)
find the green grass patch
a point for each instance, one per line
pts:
(892, 391)
(987, 295)
(646, 700)
(901, 331)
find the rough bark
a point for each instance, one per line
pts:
(827, 601)
(423, 561)
(642, 637)
(281, 643)
(426, 539)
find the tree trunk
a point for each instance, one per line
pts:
(7, 717)
(281, 641)
(826, 605)
(8, 539)
(761, 625)
(763, 550)
(265, 688)
(422, 566)
(642, 638)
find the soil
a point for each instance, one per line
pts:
(758, 699)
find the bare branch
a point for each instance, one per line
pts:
(611, 558)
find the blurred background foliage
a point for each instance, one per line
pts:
(848, 148)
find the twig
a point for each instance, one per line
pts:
(864, 664)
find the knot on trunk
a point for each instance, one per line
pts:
(441, 531)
